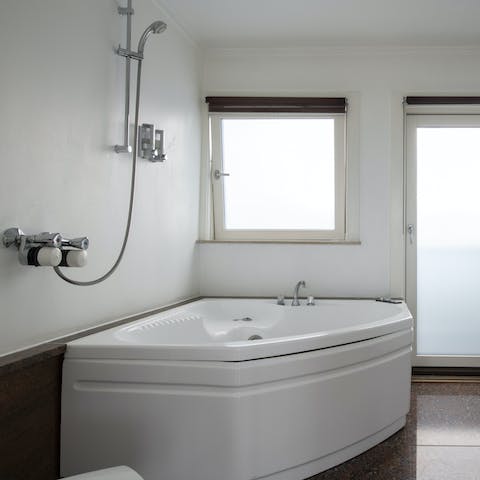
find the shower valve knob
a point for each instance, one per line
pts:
(12, 236)
(81, 243)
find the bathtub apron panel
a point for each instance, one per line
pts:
(281, 418)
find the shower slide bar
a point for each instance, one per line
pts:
(126, 147)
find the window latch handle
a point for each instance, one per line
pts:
(218, 174)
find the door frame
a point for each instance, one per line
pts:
(436, 116)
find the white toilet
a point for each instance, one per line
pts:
(116, 473)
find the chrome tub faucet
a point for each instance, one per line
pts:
(295, 302)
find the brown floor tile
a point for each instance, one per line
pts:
(383, 462)
(441, 440)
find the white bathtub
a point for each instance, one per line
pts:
(184, 395)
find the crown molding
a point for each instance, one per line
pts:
(172, 18)
(317, 51)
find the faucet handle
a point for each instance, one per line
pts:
(310, 300)
(81, 243)
(281, 300)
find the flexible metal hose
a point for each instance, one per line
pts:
(132, 196)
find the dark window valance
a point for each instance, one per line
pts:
(277, 104)
(442, 100)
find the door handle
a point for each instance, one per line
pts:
(411, 232)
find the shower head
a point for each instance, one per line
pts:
(155, 27)
(159, 26)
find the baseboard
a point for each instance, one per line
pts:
(448, 372)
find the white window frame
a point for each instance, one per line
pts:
(216, 163)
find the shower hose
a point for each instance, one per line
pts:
(130, 208)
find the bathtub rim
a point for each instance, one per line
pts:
(106, 345)
(230, 376)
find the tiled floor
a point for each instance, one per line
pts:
(441, 440)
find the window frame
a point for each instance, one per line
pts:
(220, 233)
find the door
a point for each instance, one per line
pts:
(443, 237)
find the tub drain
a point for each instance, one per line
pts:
(255, 337)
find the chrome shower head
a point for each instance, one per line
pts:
(159, 26)
(155, 27)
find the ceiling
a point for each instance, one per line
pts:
(311, 23)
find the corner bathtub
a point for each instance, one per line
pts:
(185, 395)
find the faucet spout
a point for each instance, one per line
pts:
(295, 302)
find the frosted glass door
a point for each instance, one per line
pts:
(444, 164)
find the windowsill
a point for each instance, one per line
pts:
(287, 242)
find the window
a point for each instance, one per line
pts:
(278, 168)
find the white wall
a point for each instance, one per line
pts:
(379, 78)
(61, 104)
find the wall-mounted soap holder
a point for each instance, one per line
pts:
(151, 143)
(47, 249)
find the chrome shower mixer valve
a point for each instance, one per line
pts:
(47, 249)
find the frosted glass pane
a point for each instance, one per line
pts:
(282, 174)
(448, 241)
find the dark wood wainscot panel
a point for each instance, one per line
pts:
(30, 387)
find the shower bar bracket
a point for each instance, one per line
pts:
(128, 53)
(125, 10)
